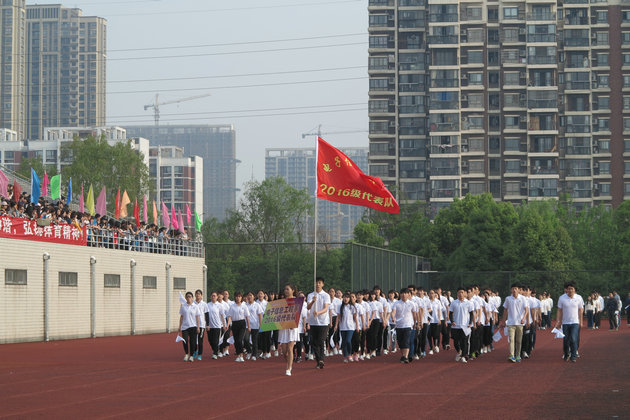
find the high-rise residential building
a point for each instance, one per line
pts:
(13, 65)
(514, 98)
(65, 74)
(216, 145)
(335, 221)
(52, 68)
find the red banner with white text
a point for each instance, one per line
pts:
(339, 179)
(17, 228)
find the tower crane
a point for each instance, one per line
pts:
(319, 132)
(156, 105)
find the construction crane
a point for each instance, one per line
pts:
(319, 132)
(156, 105)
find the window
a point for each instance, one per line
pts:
(112, 280)
(475, 57)
(149, 282)
(602, 38)
(476, 188)
(512, 188)
(626, 187)
(511, 78)
(626, 81)
(14, 277)
(179, 283)
(512, 144)
(625, 37)
(602, 80)
(68, 279)
(476, 78)
(604, 167)
(626, 59)
(626, 102)
(510, 12)
(626, 124)
(602, 59)
(604, 102)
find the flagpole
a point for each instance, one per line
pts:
(315, 219)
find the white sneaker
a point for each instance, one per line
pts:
(416, 357)
(385, 352)
(335, 351)
(191, 359)
(267, 355)
(288, 372)
(311, 357)
(369, 356)
(214, 356)
(374, 353)
(249, 356)
(273, 347)
(464, 360)
(437, 349)
(185, 358)
(394, 351)
(430, 352)
(275, 353)
(240, 359)
(253, 358)
(458, 358)
(226, 352)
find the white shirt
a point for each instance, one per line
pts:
(238, 312)
(377, 309)
(461, 312)
(404, 313)
(254, 310)
(323, 298)
(361, 316)
(216, 313)
(203, 308)
(445, 304)
(570, 308)
(226, 308)
(390, 309)
(516, 308)
(533, 304)
(335, 303)
(347, 320)
(303, 315)
(436, 311)
(189, 314)
(367, 310)
(262, 304)
(426, 304)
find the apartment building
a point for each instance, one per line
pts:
(517, 99)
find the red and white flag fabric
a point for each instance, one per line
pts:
(339, 179)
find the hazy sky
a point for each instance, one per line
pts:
(274, 68)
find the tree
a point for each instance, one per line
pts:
(367, 234)
(38, 166)
(96, 162)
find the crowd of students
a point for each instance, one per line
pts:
(102, 231)
(366, 324)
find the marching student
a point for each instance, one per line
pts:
(421, 349)
(362, 317)
(255, 321)
(375, 323)
(435, 322)
(216, 323)
(403, 311)
(203, 315)
(391, 342)
(238, 317)
(302, 343)
(570, 316)
(189, 326)
(461, 314)
(318, 320)
(489, 321)
(357, 334)
(288, 336)
(445, 324)
(515, 316)
(264, 337)
(346, 323)
(226, 303)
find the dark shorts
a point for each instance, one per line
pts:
(403, 335)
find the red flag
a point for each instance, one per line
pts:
(117, 205)
(155, 213)
(339, 179)
(174, 218)
(136, 212)
(45, 184)
(188, 215)
(17, 190)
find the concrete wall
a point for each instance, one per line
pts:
(83, 310)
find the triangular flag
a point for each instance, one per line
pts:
(144, 210)
(45, 184)
(174, 217)
(166, 221)
(188, 215)
(17, 190)
(55, 187)
(90, 201)
(117, 205)
(69, 198)
(180, 222)
(136, 212)
(123, 204)
(4, 185)
(81, 202)
(101, 203)
(155, 214)
(35, 188)
(198, 222)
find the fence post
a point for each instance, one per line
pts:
(93, 296)
(46, 257)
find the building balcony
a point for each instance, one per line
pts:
(442, 39)
(543, 16)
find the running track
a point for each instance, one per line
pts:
(144, 377)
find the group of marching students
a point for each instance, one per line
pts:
(357, 325)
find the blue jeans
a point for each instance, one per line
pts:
(346, 342)
(570, 340)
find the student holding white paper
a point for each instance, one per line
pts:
(189, 323)
(569, 315)
(515, 316)
(461, 314)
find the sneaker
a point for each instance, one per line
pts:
(226, 352)
(573, 360)
(249, 356)
(273, 347)
(423, 355)
(194, 355)
(199, 357)
(320, 365)
(458, 358)
(239, 359)
(253, 358)
(437, 349)
(373, 354)
(185, 358)
(385, 352)
(355, 358)
(368, 357)
(220, 354)
(430, 352)
(310, 357)
(288, 372)
(345, 360)
(518, 359)
(275, 353)
(214, 356)
(191, 359)
(416, 357)
(525, 355)
(464, 360)
(395, 350)
(326, 353)
(402, 359)
(512, 359)
(577, 353)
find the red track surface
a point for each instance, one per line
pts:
(144, 377)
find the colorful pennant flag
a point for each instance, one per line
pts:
(101, 203)
(174, 217)
(124, 202)
(55, 187)
(117, 205)
(166, 221)
(188, 215)
(90, 201)
(69, 198)
(35, 187)
(4, 185)
(198, 222)
(45, 184)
